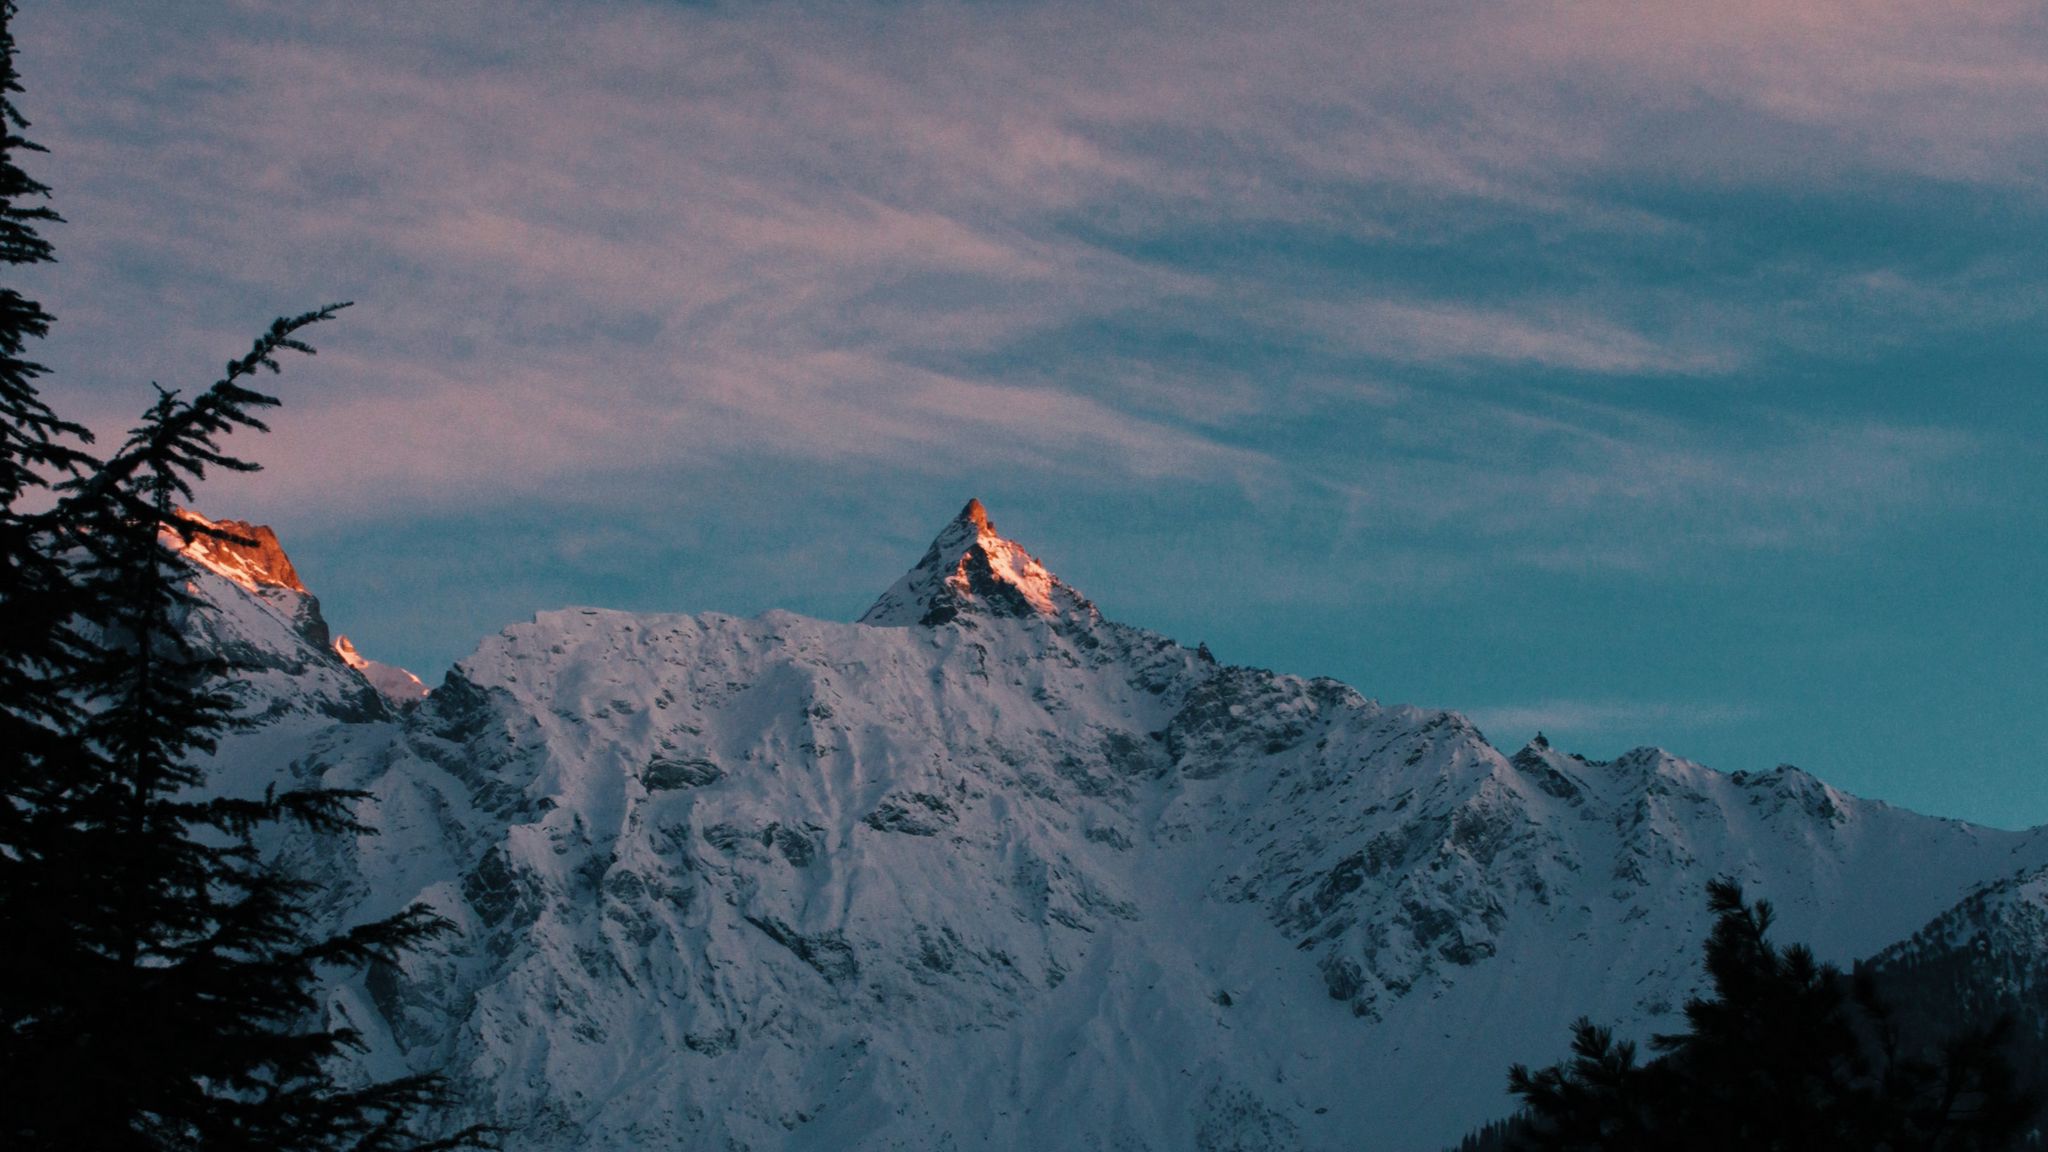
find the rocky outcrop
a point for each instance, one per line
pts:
(255, 613)
(246, 553)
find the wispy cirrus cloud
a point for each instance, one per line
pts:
(688, 235)
(1632, 718)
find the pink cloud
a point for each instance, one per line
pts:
(682, 233)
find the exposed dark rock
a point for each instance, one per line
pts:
(1343, 977)
(799, 846)
(1530, 762)
(506, 898)
(827, 952)
(913, 814)
(662, 775)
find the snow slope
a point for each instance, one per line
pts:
(989, 871)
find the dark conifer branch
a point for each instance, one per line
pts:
(1782, 1054)
(160, 988)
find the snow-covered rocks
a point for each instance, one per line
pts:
(971, 569)
(397, 684)
(989, 871)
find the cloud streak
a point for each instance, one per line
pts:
(1629, 718)
(588, 235)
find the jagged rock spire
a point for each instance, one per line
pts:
(970, 569)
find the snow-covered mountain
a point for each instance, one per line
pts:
(2006, 919)
(987, 870)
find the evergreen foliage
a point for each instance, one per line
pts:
(1494, 1136)
(1786, 1053)
(37, 599)
(29, 431)
(159, 987)
(34, 590)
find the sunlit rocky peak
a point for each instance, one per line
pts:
(971, 569)
(274, 623)
(261, 563)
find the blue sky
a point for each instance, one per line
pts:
(1641, 373)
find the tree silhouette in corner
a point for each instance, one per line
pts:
(160, 982)
(39, 718)
(1785, 1053)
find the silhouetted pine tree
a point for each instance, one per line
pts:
(30, 432)
(39, 720)
(188, 1013)
(1786, 1054)
(160, 988)
(1493, 1136)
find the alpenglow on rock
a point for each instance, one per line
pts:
(257, 564)
(971, 569)
(988, 871)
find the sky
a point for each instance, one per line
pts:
(1642, 373)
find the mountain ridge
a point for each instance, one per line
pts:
(789, 883)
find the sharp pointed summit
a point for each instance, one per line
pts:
(970, 569)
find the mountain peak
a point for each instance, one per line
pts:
(969, 568)
(261, 563)
(260, 566)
